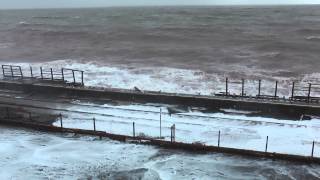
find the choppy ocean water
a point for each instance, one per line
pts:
(277, 41)
(175, 49)
(34, 155)
(197, 47)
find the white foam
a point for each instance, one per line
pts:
(169, 79)
(5, 45)
(35, 155)
(237, 131)
(313, 38)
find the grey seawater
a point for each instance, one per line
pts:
(27, 154)
(279, 41)
(274, 41)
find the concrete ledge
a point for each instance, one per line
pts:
(277, 109)
(163, 143)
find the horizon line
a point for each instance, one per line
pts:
(195, 5)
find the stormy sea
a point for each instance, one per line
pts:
(208, 43)
(171, 49)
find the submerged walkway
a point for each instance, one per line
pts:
(194, 132)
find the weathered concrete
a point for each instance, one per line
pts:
(163, 143)
(274, 108)
(20, 113)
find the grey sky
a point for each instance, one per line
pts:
(10, 4)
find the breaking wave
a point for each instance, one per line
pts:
(313, 38)
(170, 79)
(56, 17)
(5, 45)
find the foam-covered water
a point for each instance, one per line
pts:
(237, 131)
(167, 79)
(171, 49)
(34, 155)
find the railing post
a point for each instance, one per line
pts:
(94, 124)
(61, 123)
(51, 71)
(160, 122)
(276, 90)
(312, 149)
(41, 72)
(227, 86)
(31, 72)
(21, 74)
(82, 82)
(219, 138)
(267, 141)
(74, 78)
(292, 91)
(309, 92)
(242, 88)
(134, 129)
(173, 132)
(62, 73)
(12, 75)
(259, 88)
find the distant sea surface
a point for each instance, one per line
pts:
(278, 41)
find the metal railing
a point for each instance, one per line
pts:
(300, 92)
(64, 75)
(11, 115)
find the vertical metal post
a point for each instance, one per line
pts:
(41, 72)
(227, 86)
(174, 132)
(292, 91)
(276, 90)
(31, 72)
(219, 138)
(74, 78)
(21, 74)
(309, 92)
(134, 129)
(82, 82)
(267, 141)
(51, 71)
(160, 123)
(62, 73)
(61, 123)
(94, 124)
(242, 88)
(12, 75)
(259, 89)
(312, 149)
(171, 133)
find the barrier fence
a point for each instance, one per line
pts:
(306, 89)
(64, 75)
(10, 114)
(300, 92)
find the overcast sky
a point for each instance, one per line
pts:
(13, 4)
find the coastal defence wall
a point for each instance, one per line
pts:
(275, 108)
(193, 147)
